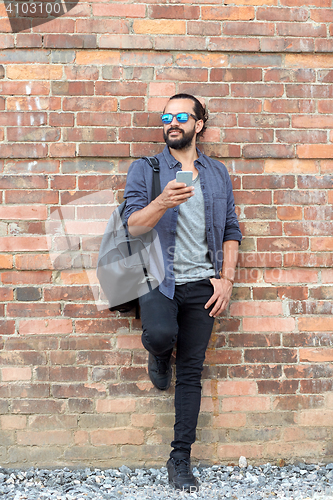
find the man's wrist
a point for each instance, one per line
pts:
(223, 276)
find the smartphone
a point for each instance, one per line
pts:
(185, 176)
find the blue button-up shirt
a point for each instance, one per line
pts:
(220, 216)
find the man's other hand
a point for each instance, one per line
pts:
(175, 193)
(221, 296)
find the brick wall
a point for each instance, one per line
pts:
(79, 97)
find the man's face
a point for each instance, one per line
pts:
(180, 135)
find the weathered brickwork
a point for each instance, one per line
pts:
(79, 97)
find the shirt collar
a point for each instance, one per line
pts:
(172, 162)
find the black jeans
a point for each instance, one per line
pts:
(184, 320)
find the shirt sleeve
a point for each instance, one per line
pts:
(232, 230)
(136, 189)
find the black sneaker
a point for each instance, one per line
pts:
(181, 476)
(160, 371)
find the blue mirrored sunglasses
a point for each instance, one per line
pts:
(180, 117)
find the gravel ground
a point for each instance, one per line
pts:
(297, 482)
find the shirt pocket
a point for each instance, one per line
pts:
(219, 209)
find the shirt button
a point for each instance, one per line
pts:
(175, 209)
(173, 232)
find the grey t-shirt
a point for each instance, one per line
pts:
(191, 259)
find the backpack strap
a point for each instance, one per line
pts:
(155, 165)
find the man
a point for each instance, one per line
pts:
(199, 235)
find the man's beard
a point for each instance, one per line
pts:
(183, 143)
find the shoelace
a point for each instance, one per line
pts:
(162, 365)
(182, 466)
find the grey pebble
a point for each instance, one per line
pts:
(296, 482)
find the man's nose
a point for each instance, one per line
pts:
(174, 119)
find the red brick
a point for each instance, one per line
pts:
(140, 135)
(236, 74)
(115, 405)
(7, 327)
(70, 41)
(139, 150)
(33, 406)
(117, 436)
(321, 15)
(247, 135)
(254, 339)
(132, 104)
(268, 324)
(309, 260)
(300, 197)
(89, 135)
(209, 90)
(264, 120)
(203, 28)
(316, 324)
(29, 40)
(120, 26)
(260, 212)
(256, 259)
(110, 325)
(32, 134)
(288, 75)
(245, 28)
(321, 244)
(323, 292)
(228, 13)
(6, 262)
(119, 10)
(286, 244)
(61, 119)
(21, 243)
(315, 151)
(32, 196)
(23, 119)
(106, 119)
(223, 356)
(298, 3)
(268, 182)
(98, 150)
(90, 104)
(233, 44)
(277, 387)
(246, 403)
(52, 326)
(174, 12)
(296, 137)
(182, 74)
(159, 27)
(281, 14)
(313, 228)
(235, 105)
(20, 310)
(23, 150)
(39, 438)
(297, 402)
(268, 150)
(60, 25)
(290, 106)
(291, 276)
(273, 355)
(323, 45)
(264, 308)
(301, 29)
(121, 88)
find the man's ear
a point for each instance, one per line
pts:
(199, 126)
